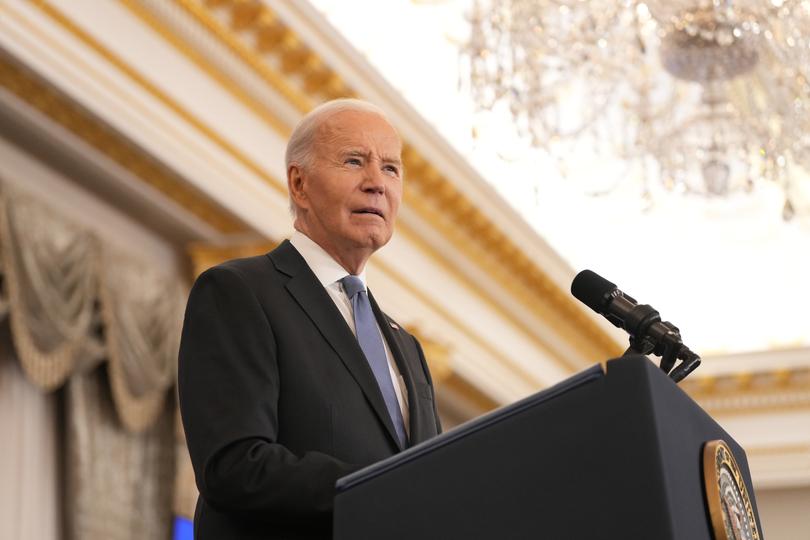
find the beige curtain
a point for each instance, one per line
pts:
(142, 315)
(29, 454)
(51, 273)
(120, 483)
(102, 327)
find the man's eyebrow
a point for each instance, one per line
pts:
(395, 160)
(355, 152)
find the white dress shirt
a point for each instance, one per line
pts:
(329, 273)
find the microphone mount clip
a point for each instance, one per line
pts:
(662, 339)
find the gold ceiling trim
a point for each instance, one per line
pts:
(62, 110)
(264, 113)
(773, 390)
(778, 379)
(272, 32)
(144, 112)
(753, 404)
(434, 197)
(63, 21)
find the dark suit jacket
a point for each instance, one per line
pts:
(278, 400)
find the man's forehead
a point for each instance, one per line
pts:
(349, 127)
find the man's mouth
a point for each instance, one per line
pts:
(369, 210)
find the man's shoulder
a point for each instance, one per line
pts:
(263, 264)
(245, 267)
(276, 266)
(249, 270)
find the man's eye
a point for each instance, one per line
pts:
(353, 161)
(392, 169)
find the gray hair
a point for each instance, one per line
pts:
(300, 147)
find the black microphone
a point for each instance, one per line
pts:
(648, 333)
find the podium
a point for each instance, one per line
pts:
(602, 455)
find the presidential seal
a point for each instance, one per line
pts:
(729, 505)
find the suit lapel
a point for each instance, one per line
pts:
(405, 369)
(319, 307)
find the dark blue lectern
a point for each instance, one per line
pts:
(615, 455)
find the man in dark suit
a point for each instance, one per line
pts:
(290, 375)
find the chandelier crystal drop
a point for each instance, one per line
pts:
(710, 97)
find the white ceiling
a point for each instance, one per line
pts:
(730, 274)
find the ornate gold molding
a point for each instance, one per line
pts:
(273, 36)
(244, 15)
(138, 9)
(59, 18)
(767, 390)
(62, 110)
(775, 379)
(750, 403)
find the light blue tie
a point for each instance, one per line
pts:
(368, 335)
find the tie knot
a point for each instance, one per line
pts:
(352, 285)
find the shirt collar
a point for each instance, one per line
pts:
(325, 268)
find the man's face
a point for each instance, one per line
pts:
(351, 192)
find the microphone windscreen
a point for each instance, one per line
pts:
(592, 290)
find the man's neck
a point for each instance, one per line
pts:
(352, 261)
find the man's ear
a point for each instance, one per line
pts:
(296, 185)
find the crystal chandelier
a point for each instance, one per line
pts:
(710, 97)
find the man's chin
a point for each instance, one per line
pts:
(373, 240)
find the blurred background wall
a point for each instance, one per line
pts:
(142, 141)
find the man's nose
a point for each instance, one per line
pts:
(373, 179)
